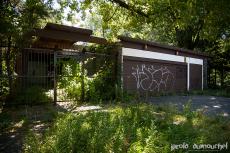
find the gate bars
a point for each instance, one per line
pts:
(40, 75)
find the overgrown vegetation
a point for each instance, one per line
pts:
(91, 78)
(190, 24)
(130, 128)
(17, 18)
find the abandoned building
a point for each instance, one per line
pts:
(144, 66)
(150, 66)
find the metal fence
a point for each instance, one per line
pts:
(52, 75)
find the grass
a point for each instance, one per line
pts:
(129, 128)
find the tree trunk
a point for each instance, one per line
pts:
(1, 60)
(8, 67)
(222, 76)
(215, 77)
(209, 78)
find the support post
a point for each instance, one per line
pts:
(120, 70)
(118, 67)
(115, 78)
(1, 60)
(8, 65)
(83, 77)
(55, 76)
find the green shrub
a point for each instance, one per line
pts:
(102, 87)
(100, 84)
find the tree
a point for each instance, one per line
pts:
(17, 18)
(183, 23)
(190, 24)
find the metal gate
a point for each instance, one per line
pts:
(33, 77)
(52, 75)
(75, 70)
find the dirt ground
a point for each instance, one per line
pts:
(17, 121)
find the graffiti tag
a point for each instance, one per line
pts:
(150, 78)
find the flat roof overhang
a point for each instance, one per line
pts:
(62, 36)
(125, 39)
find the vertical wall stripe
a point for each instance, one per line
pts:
(188, 73)
(202, 77)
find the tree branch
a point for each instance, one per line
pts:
(111, 15)
(129, 7)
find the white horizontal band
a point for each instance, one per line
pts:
(159, 56)
(195, 61)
